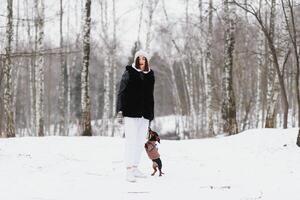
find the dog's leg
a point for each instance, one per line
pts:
(154, 166)
(155, 170)
(159, 166)
(161, 173)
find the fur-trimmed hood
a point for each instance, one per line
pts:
(141, 53)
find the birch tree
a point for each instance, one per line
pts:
(114, 55)
(151, 6)
(140, 21)
(258, 100)
(86, 128)
(62, 87)
(269, 35)
(183, 70)
(228, 105)
(272, 88)
(188, 55)
(16, 71)
(40, 69)
(202, 111)
(8, 110)
(208, 67)
(246, 75)
(114, 63)
(107, 67)
(31, 71)
(68, 78)
(289, 14)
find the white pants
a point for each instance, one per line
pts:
(136, 130)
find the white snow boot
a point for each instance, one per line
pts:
(138, 174)
(130, 176)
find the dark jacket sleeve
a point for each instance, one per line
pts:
(152, 100)
(123, 85)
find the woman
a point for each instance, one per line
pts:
(136, 104)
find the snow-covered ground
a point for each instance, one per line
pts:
(256, 164)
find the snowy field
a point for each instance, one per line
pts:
(256, 164)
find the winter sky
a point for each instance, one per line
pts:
(127, 12)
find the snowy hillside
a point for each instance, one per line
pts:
(256, 164)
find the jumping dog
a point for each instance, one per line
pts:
(152, 151)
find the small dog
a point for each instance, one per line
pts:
(152, 151)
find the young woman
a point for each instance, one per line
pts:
(136, 104)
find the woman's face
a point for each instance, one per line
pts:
(142, 62)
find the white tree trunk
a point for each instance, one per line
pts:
(151, 6)
(31, 75)
(202, 111)
(114, 64)
(140, 20)
(183, 69)
(208, 80)
(16, 71)
(258, 99)
(86, 129)
(273, 83)
(107, 70)
(62, 86)
(106, 105)
(8, 110)
(228, 105)
(69, 72)
(40, 69)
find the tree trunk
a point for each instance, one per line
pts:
(86, 128)
(209, 86)
(16, 72)
(228, 105)
(258, 99)
(8, 110)
(272, 89)
(151, 6)
(200, 74)
(68, 78)
(107, 71)
(62, 86)
(140, 22)
(292, 29)
(31, 70)
(40, 70)
(114, 64)
(106, 105)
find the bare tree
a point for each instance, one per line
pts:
(114, 63)
(175, 90)
(68, 73)
(31, 71)
(151, 6)
(272, 87)
(228, 105)
(63, 71)
(140, 21)
(184, 71)
(289, 14)
(16, 71)
(208, 84)
(269, 34)
(85, 98)
(8, 110)
(40, 69)
(107, 67)
(258, 100)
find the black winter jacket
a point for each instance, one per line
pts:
(135, 96)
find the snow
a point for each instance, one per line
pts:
(256, 164)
